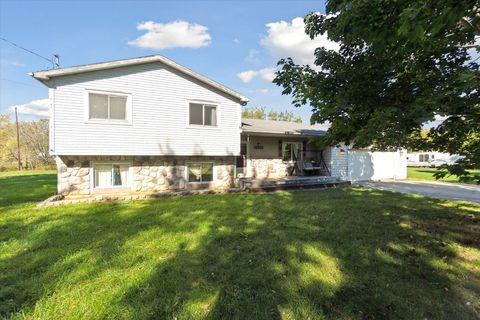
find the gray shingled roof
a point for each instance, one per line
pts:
(282, 127)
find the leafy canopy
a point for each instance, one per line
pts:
(400, 64)
(34, 151)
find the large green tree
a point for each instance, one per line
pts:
(400, 64)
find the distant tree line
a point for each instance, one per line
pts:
(261, 113)
(33, 144)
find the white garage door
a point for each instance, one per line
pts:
(366, 165)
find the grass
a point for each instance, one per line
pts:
(19, 187)
(414, 173)
(329, 254)
(26, 173)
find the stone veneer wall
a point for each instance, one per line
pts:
(268, 168)
(150, 173)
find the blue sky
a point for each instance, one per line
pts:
(236, 43)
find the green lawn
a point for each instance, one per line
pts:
(328, 254)
(427, 174)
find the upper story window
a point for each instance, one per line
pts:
(107, 106)
(201, 114)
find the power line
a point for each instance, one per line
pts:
(19, 82)
(27, 50)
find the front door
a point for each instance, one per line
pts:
(292, 151)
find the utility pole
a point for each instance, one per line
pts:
(18, 142)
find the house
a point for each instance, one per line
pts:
(149, 124)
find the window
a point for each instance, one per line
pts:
(107, 107)
(202, 114)
(111, 175)
(292, 151)
(200, 172)
(423, 158)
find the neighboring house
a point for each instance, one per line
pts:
(149, 124)
(430, 159)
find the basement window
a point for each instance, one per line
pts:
(200, 171)
(111, 175)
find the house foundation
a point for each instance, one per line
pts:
(77, 174)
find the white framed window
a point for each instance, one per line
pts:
(111, 175)
(202, 114)
(200, 171)
(423, 157)
(292, 151)
(108, 106)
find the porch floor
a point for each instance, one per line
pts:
(291, 182)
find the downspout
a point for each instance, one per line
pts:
(52, 118)
(249, 165)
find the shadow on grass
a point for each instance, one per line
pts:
(350, 253)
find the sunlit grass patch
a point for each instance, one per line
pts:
(317, 254)
(414, 173)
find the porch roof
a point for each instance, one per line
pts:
(282, 128)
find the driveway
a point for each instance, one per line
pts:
(432, 189)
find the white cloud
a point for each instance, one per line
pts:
(264, 91)
(252, 56)
(247, 76)
(37, 108)
(176, 34)
(267, 74)
(288, 39)
(236, 40)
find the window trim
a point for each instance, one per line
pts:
(201, 126)
(128, 110)
(214, 171)
(129, 186)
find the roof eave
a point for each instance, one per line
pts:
(46, 75)
(280, 134)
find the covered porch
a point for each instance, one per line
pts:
(279, 149)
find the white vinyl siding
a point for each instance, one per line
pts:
(158, 119)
